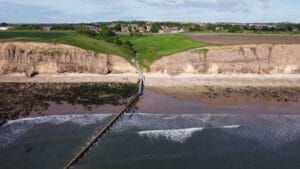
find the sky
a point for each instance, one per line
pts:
(77, 11)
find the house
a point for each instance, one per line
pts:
(141, 29)
(124, 28)
(149, 27)
(112, 25)
(96, 29)
(166, 29)
(47, 28)
(134, 27)
(219, 28)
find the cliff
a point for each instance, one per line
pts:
(43, 58)
(260, 59)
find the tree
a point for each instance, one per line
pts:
(106, 32)
(117, 41)
(197, 28)
(62, 27)
(155, 28)
(130, 28)
(118, 27)
(211, 27)
(3, 24)
(234, 29)
(28, 27)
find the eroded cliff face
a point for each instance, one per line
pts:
(44, 58)
(261, 59)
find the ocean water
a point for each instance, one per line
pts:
(160, 141)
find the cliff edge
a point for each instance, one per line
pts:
(240, 59)
(44, 58)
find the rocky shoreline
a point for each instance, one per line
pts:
(24, 99)
(234, 89)
(280, 94)
(235, 95)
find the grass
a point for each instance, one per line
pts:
(67, 37)
(149, 47)
(95, 45)
(31, 35)
(153, 47)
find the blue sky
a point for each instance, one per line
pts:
(67, 11)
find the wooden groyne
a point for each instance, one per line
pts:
(131, 103)
(102, 132)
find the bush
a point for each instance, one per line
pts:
(117, 41)
(86, 31)
(118, 28)
(106, 32)
(155, 28)
(28, 27)
(62, 27)
(234, 29)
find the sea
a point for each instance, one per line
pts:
(173, 139)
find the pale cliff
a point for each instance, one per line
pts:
(261, 59)
(44, 58)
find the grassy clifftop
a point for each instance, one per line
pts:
(149, 47)
(154, 47)
(67, 37)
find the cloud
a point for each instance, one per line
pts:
(226, 5)
(57, 11)
(62, 10)
(12, 12)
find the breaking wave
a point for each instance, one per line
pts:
(59, 119)
(176, 135)
(270, 130)
(231, 127)
(16, 128)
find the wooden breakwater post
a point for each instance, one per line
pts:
(132, 102)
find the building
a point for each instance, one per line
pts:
(124, 28)
(141, 29)
(47, 28)
(166, 29)
(96, 29)
(149, 27)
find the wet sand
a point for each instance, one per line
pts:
(251, 94)
(164, 102)
(69, 109)
(157, 101)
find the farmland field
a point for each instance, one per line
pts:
(29, 35)
(235, 39)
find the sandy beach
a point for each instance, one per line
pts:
(216, 89)
(163, 80)
(70, 78)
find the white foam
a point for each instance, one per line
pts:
(231, 127)
(175, 135)
(16, 128)
(60, 119)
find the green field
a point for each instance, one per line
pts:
(29, 35)
(149, 47)
(154, 47)
(67, 37)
